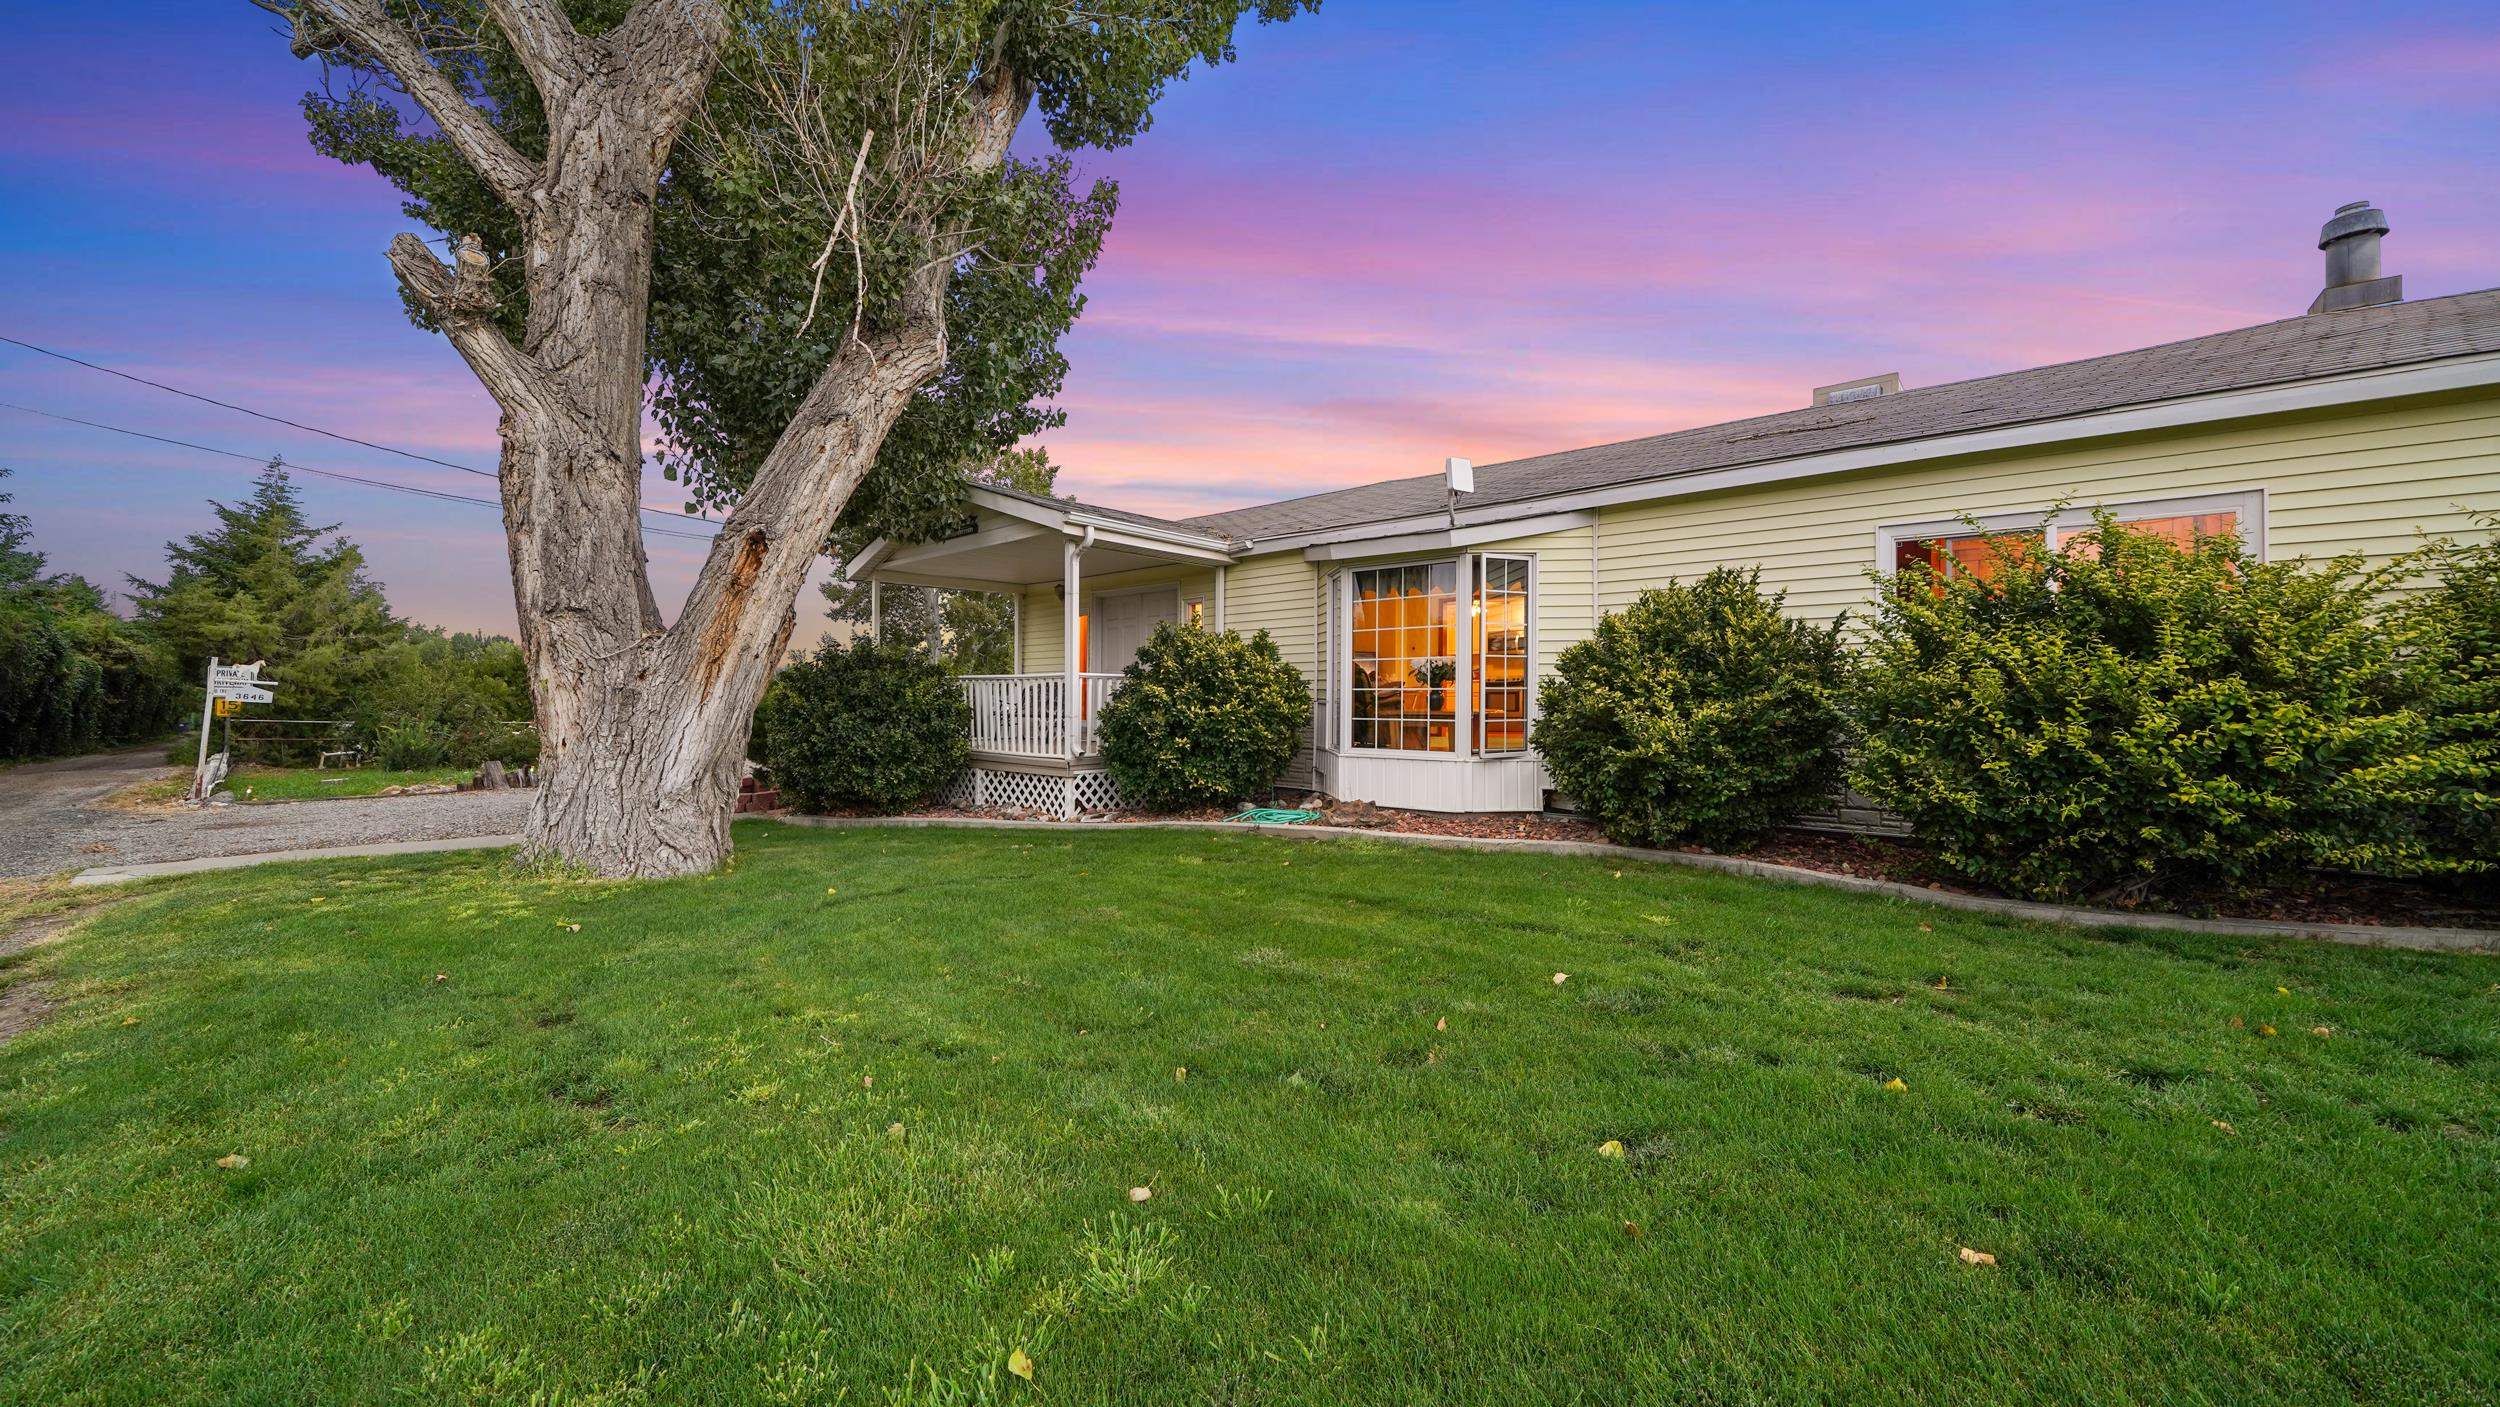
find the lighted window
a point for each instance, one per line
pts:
(1981, 556)
(1198, 614)
(1982, 553)
(1402, 688)
(1499, 664)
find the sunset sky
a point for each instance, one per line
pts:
(1392, 232)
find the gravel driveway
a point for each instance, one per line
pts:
(49, 822)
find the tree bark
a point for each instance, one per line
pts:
(642, 727)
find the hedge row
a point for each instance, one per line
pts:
(2128, 721)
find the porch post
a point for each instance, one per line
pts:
(1015, 632)
(1220, 569)
(876, 608)
(1072, 710)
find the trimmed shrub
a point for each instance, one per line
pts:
(2134, 720)
(1203, 718)
(1701, 713)
(2458, 618)
(871, 726)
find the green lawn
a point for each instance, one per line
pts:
(859, 1121)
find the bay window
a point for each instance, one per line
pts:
(1437, 657)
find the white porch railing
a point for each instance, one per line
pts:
(1025, 715)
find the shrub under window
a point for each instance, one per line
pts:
(2459, 620)
(871, 726)
(2124, 719)
(1203, 718)
(1701, 713)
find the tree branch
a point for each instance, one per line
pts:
(548, 45)
(389, 43)
(664, 53)
(462, 300)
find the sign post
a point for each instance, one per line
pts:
(229, 687)
(208, 704)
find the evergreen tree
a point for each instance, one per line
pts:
(266, 583)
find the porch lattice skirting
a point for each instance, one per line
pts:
(1062, 793)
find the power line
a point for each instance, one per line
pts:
(338, 435)
(318, 473)
(243, 409)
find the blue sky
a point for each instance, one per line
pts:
(1394, 231)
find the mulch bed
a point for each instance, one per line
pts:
(2320, 898)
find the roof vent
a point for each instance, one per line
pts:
(2352, 275)
(1865, 388)
(1461, 473)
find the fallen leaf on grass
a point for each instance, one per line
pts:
(1561, 977)
(2322, 1032)
(1896, 1085)
(1139, 1194)
(1180, 1074)
(234, 1160)
(2265, 1030)
(130, 1020)
(570, 927)
(1632, 1229)
(1971, 1257)
(2282, 991)
(867, 1082)
(1611, 1148)
(1441, 1025)
(894, 1130)
(1926, 928)
(442, 976)
(1020, 1363)
(829, 889)
(2225, 1126)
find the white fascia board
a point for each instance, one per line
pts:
(860, 566)
(1017, 508)
(1123, 533)
(2353, 388)
(919, 554)
(1447, 538)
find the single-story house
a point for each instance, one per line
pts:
(1424, 610)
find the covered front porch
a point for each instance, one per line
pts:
(1088, 587)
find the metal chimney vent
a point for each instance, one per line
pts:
(1865, 388)
(2351, 241)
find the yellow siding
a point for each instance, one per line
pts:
(1044, 626)
(2369, 483)
(1563, 617)
(1277, 593)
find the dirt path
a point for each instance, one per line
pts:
(50, 822)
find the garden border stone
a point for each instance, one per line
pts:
(2363, 935)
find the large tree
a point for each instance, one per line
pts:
(794, 229)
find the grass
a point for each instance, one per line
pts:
(859, 1121)
(301, 783)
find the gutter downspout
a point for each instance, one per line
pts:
(1071, 672)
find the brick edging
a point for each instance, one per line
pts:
(2363, 935)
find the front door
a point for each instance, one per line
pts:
(1123, 620)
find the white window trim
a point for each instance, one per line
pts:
(2249, 504)
(1341, 644)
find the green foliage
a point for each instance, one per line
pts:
(975, 629)
(267, 584)
(749, 301)
(1203, 718)
(2458, 617)
(73, 676)
(1701, 713)
(871, 726)
(2142, 721)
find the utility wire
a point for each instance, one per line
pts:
(243, 409)
(340, 436)
(318, 473)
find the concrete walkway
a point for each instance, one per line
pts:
(52, 818)
(124, 874)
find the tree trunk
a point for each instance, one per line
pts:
(642, 726)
